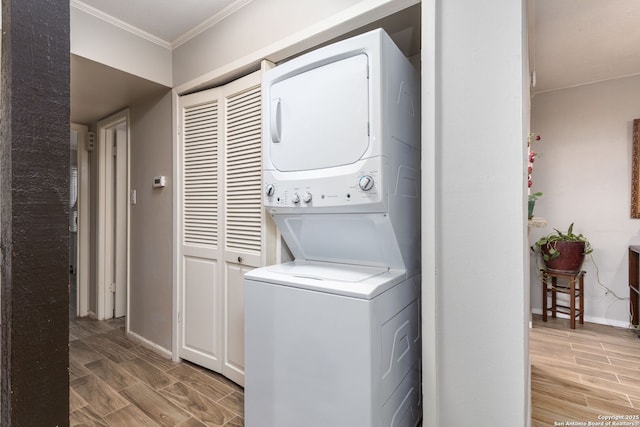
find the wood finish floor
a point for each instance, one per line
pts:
(576, 375)
(116, 382)
(584, 374)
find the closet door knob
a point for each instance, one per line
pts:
(239, 259)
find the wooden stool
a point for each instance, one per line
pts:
(568, 288)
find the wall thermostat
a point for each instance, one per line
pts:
(159, 181)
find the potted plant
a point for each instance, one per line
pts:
(563, 252)
(532, 202)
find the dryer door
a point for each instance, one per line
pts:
(319, 118)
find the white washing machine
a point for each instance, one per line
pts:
(332, 346)
(332, 339)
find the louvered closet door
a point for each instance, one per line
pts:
(222, 223)
(243, 222)
(200, 317)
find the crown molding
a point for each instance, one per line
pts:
(194, 32)
(210, 22)
(120, 24)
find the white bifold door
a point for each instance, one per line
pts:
(222, 232)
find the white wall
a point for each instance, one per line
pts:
(474, 245)
(585, 175)
(107, 44)
(259, 23)
(273, 30)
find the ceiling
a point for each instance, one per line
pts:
(572, 42)
(583, 41)
(166, 20)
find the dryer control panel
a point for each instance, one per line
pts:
(362, 190)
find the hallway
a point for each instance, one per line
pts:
(116, 382)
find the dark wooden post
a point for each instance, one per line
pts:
(34, 191)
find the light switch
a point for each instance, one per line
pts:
(133, 197)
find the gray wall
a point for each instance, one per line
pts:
(150, 295)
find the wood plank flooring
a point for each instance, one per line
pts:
(116, 382)
(576, 375)
(583, 374)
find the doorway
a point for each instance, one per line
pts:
(112, 216)
(79, 222)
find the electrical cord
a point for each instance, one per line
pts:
(607, 290)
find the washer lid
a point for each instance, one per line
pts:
(340, 279)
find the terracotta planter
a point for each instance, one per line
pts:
(570, 259)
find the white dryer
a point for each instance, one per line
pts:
(333, 338)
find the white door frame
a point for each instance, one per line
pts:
(120, 202)
(104, 214)
(84, 221)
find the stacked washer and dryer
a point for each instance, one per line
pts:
(332, 339)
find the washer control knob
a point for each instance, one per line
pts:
(296, 198)
(306, 198)
(270, 190)
(365, 182)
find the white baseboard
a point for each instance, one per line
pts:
(591, 319)
(150, 345)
